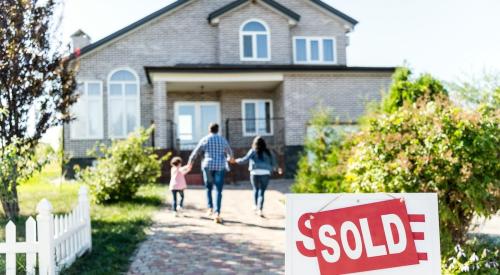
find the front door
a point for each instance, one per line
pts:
(192, 120)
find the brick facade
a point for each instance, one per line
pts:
(183, 36)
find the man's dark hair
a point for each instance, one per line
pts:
(214, 128)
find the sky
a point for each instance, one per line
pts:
(447, 38)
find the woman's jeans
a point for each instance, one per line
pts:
(259, 184)
(174, 196)
(212, 178)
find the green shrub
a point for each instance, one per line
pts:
(433, 146)
(319, 166)
(122, 168)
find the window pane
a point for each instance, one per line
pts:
(250, 124)
(116, 116)
(115, 90)
(79, 124)
(262, 46)
(254, 26)
(314, 50)
(328, 50)
(300, 50)
(130, 89)
(186, 122)
(123, 75)
(95, 117)
(247, 46)
(208, 115)
(132, 119)
(94, 89)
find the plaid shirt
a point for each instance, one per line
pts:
(214, 148)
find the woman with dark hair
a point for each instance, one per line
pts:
(261, 163)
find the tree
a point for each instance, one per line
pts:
(406, 89)
(34, 77)
(319, 167)
(472, 91)
(433, 146)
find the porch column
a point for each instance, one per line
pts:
(160, 114)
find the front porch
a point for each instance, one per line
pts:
(243, 104)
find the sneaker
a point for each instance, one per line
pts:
(180, 208)
(210, 212)
(218, 219)
(176, 214)
(260, 213)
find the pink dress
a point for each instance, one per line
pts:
(177, 178)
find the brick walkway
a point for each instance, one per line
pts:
(245, 244)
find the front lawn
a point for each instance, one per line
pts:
(117, 229)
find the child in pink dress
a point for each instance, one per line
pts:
(178, 182)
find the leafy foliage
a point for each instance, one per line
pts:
(405, 89)
(433, 146)
(319, 168)
(123, 168)
(479, 255)
(34, 76)
(474, 91)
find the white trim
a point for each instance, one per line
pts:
(216, 77)
(320, 40)
(243, 122)
(197, 115)
(138, 110)
(85, 84)
(254, 34)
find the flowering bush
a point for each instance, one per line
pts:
(433, 146)
(476, 256)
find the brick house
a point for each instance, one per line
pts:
(257, 67)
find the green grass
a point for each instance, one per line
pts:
(117, 229)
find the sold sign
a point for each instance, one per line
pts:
(366, 237)
(374, 236)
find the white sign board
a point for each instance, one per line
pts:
(362, 234)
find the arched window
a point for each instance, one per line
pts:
(255, 41)
(123, 103)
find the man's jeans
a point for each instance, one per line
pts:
(210, 178)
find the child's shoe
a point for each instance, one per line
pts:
(176, 214)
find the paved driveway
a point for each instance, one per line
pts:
(244, 244)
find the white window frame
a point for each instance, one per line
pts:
(197, 115)
(320, 39)
(123, 98)
(243, 115)
(72, 135)
(254, 41)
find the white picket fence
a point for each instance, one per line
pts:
(57, 240)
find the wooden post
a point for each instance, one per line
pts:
(45, 221)
(10, 255)
(30, 240)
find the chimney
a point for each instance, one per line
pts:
(79, 40)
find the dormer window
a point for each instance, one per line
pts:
(314, 50)
(254, 41)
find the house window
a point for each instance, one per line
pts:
(314, 50)
(193, 119)
(257, 117)
(123, 102)
(88, 123)
(254, 41)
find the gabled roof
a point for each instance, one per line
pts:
(132, 26)
(237, 3)
(335, 11)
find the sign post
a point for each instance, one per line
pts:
(369, 233)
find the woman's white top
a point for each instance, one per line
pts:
(260, 172)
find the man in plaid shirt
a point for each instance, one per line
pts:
(216, 151)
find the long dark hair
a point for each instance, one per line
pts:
(260, 146)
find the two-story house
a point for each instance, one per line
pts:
(257, 67)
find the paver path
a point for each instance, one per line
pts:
(194, 244)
